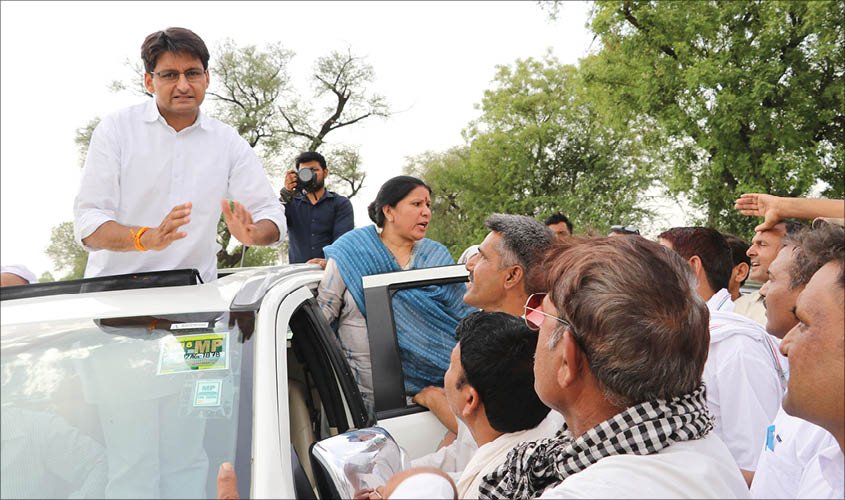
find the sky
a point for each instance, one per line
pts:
(432, 61)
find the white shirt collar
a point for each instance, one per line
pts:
(151, 114)
(721, 301)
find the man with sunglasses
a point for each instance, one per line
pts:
(162, 171)
(620, 354)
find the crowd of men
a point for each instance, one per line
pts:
(657, 387)
(596, 367)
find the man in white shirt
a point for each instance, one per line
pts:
(816, 352)
(498, 282)
(763, 250)
(490, 388)
(162, 171)
(744, 373)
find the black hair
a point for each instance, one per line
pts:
(556, 218)
(710, 246)
(791, 228)
(310, 156)
(392, 192)
(176, 41)
(739, 249)
(497, 355)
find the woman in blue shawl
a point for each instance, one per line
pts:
(425, 317)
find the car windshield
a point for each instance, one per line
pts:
(139, 407)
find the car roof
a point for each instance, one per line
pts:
(217, 295)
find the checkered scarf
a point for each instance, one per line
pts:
(646, 428)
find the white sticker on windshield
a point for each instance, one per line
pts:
(208, 393)
(186, 353)
(189, 326)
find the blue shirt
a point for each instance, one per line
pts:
(311, 227)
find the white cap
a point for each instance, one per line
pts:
(424, 485)
(20, 270)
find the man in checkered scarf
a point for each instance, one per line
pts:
(622, 345)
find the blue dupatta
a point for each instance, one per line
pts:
(426, 317)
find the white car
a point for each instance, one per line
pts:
(142, 385)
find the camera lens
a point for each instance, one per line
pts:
(305, 176)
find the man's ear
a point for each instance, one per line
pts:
(514, 277)
(472, 401)
(148, 83)
(571, 360)
(695, 263)
(742, 271)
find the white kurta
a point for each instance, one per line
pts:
(744, 386)
(138, 168)
(790, 445)
(825, 475)
(491, 455)
(702, 468)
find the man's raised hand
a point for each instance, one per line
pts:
(240, 223)
(167, 232)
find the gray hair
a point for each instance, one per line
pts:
(524, 239)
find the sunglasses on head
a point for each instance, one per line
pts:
(625, 229)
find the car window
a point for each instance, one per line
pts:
(129, 407)
(411, 319)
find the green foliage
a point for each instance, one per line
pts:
(46, 277)
(83, 138)
(745, 96)
(540, 146)
(346, 176)
(341, 93)
(66, 253)
(249, 84)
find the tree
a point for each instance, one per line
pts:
(747, 95)
(254, 95)
(539, 147)
(66, 253)
(83, 138)
(347, 176)
(340, 82)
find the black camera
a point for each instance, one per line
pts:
(305, 180)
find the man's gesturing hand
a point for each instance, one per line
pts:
(240, 223)
(167, 232)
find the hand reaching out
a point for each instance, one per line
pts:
(167, 232)
(430, 396)
(239, 222)
(760, 205)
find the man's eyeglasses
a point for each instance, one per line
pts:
(534, 313)
(193, 75)
(625, 229)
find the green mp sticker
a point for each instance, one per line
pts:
(208, 392)
(206, 351)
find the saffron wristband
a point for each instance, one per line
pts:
(136, 235)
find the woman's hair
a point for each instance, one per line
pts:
(391, 193)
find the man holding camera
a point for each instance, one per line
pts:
(316, 217)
